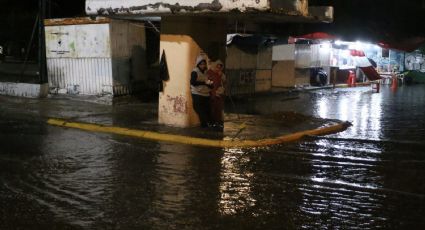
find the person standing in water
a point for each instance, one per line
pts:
(216, 75)
(200, 88)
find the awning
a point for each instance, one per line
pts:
(312, 37)
(365, 65)
(408, 45)
(317, 36)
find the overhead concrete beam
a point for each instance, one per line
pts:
(322, 13)
(188, 7)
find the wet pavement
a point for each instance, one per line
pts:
(370, 176)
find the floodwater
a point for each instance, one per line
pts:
(369, 176)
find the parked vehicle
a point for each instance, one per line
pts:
(318, 77)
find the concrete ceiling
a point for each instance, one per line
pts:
(248, 11)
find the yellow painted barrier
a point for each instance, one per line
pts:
(200, 141)
(359, 84)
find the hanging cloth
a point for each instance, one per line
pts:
(163, 71)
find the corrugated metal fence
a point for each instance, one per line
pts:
(91, 76)
(240, 82)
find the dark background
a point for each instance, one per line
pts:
(17, 17)
(388, 20)
(366, 20)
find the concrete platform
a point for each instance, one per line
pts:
(142, 116)
(227, 142)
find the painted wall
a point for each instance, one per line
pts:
(263, 76)
(249, 70)
(283, 72)
(79, 59)
(94, 59)
(292, 63)
(284, 52)
(78, 41)
(263, 80)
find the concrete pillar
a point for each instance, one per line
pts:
(183, 39)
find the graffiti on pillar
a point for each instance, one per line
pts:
(179, 103)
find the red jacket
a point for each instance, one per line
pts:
(217, 78)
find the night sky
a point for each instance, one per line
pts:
(376, 19)
(371, 20)
(17, 17)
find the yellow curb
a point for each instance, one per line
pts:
(200, 141)
(360, 84)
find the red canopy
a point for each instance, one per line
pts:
(408, 45)
(317, 36)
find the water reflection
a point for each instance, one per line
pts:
(370, 176)
(343, 184)
(344, 174)
(75, 176)
(374, 126)
(362, 108)
(172, 180)
(235, 182)
(322, 107)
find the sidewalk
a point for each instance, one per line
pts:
(143, 117)
(291, 92)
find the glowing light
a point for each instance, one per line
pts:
(326, 47)
(322, 109)
(345, 53)
(235, 186)
(359, 45)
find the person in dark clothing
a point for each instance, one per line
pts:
(200, 88)
(216, 75)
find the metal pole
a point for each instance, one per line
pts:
(41, 42)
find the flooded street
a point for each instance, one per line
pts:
(370, 176)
